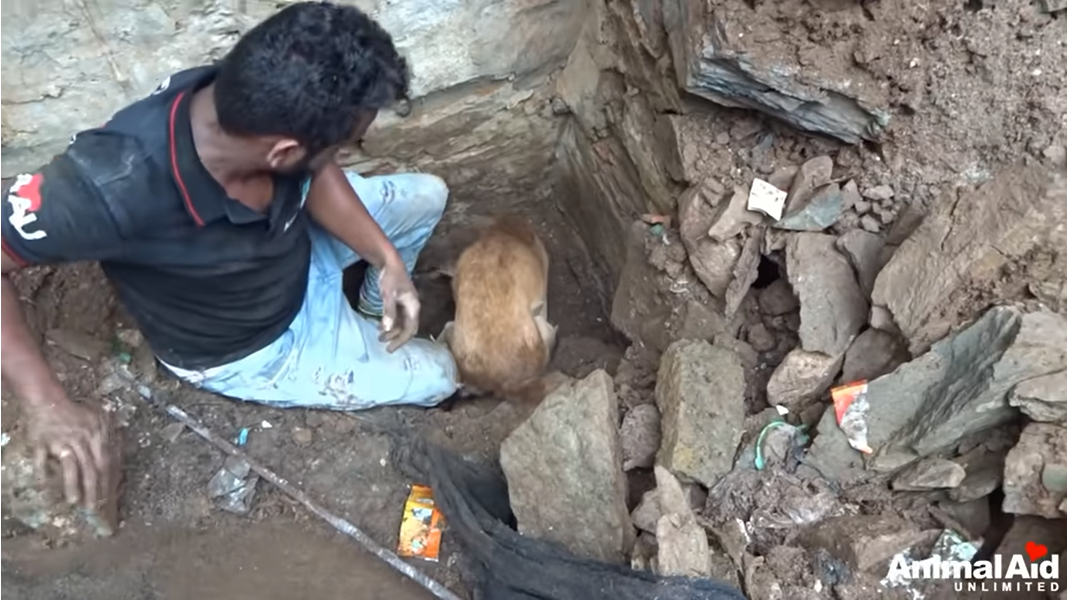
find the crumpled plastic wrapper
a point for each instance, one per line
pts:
(232, 488)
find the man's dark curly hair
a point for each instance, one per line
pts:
(307, 73)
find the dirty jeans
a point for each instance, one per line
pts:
(331, 357)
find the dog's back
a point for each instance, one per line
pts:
(500, 337)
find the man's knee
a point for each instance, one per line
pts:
(429, 195)
(433, 372)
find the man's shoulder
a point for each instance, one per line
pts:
(139, 134)
(120, 174)
(148, 117)
(114, 164)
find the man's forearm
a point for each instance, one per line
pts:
(334, 205)
(23, 365)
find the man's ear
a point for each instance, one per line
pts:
(284, 153)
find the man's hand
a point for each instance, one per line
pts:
(396, 288)
(78, 438)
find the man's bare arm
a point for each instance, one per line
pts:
(334, 206)
(56, 426)
(24, 366)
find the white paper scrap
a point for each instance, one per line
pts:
(766, 198)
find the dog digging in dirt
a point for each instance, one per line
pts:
(500, 335)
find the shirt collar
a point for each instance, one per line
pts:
(205, 198)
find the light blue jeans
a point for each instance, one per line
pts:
(331, 357)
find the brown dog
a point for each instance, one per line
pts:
(500, 336)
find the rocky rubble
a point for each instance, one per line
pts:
(958, 388)
(699, 392)
(1034, 476)
(682, 546)
(979, 246)
(832, 308)
(949, 420)
(563, 466)
(714, 63)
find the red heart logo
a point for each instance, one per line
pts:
(1035, 551)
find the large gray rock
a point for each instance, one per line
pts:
(931, 473)
(801, 377)
(712, 261)
(832, 308)
(976, 250)
(682, 546)
(959, 388)
(863, 251)
(733, 216)
(1042, 398)
(563, 467)
(873, 354)
(700, 392)
(717, 65)
(1034, 474)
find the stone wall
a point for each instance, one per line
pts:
(618, 158)
(480, 72)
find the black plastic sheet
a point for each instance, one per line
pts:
(500, 563)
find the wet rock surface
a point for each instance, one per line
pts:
(1019, 212)
(938, 399)
(711, 66)
(700, 391)
(564, 471)
(832, 308)
(801, 377)
(1034, 475)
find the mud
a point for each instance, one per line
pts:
(276, 559)
(175, 542)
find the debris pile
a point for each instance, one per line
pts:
(726, 447)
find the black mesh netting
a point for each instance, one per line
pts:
(499, 563)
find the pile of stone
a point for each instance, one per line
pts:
(964, 355)
(567, 465)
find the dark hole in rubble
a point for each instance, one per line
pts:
(974, 5)
(997, 529)
(768, 272)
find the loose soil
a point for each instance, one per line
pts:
(174, 542)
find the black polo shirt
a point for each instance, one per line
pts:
(208, 279)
